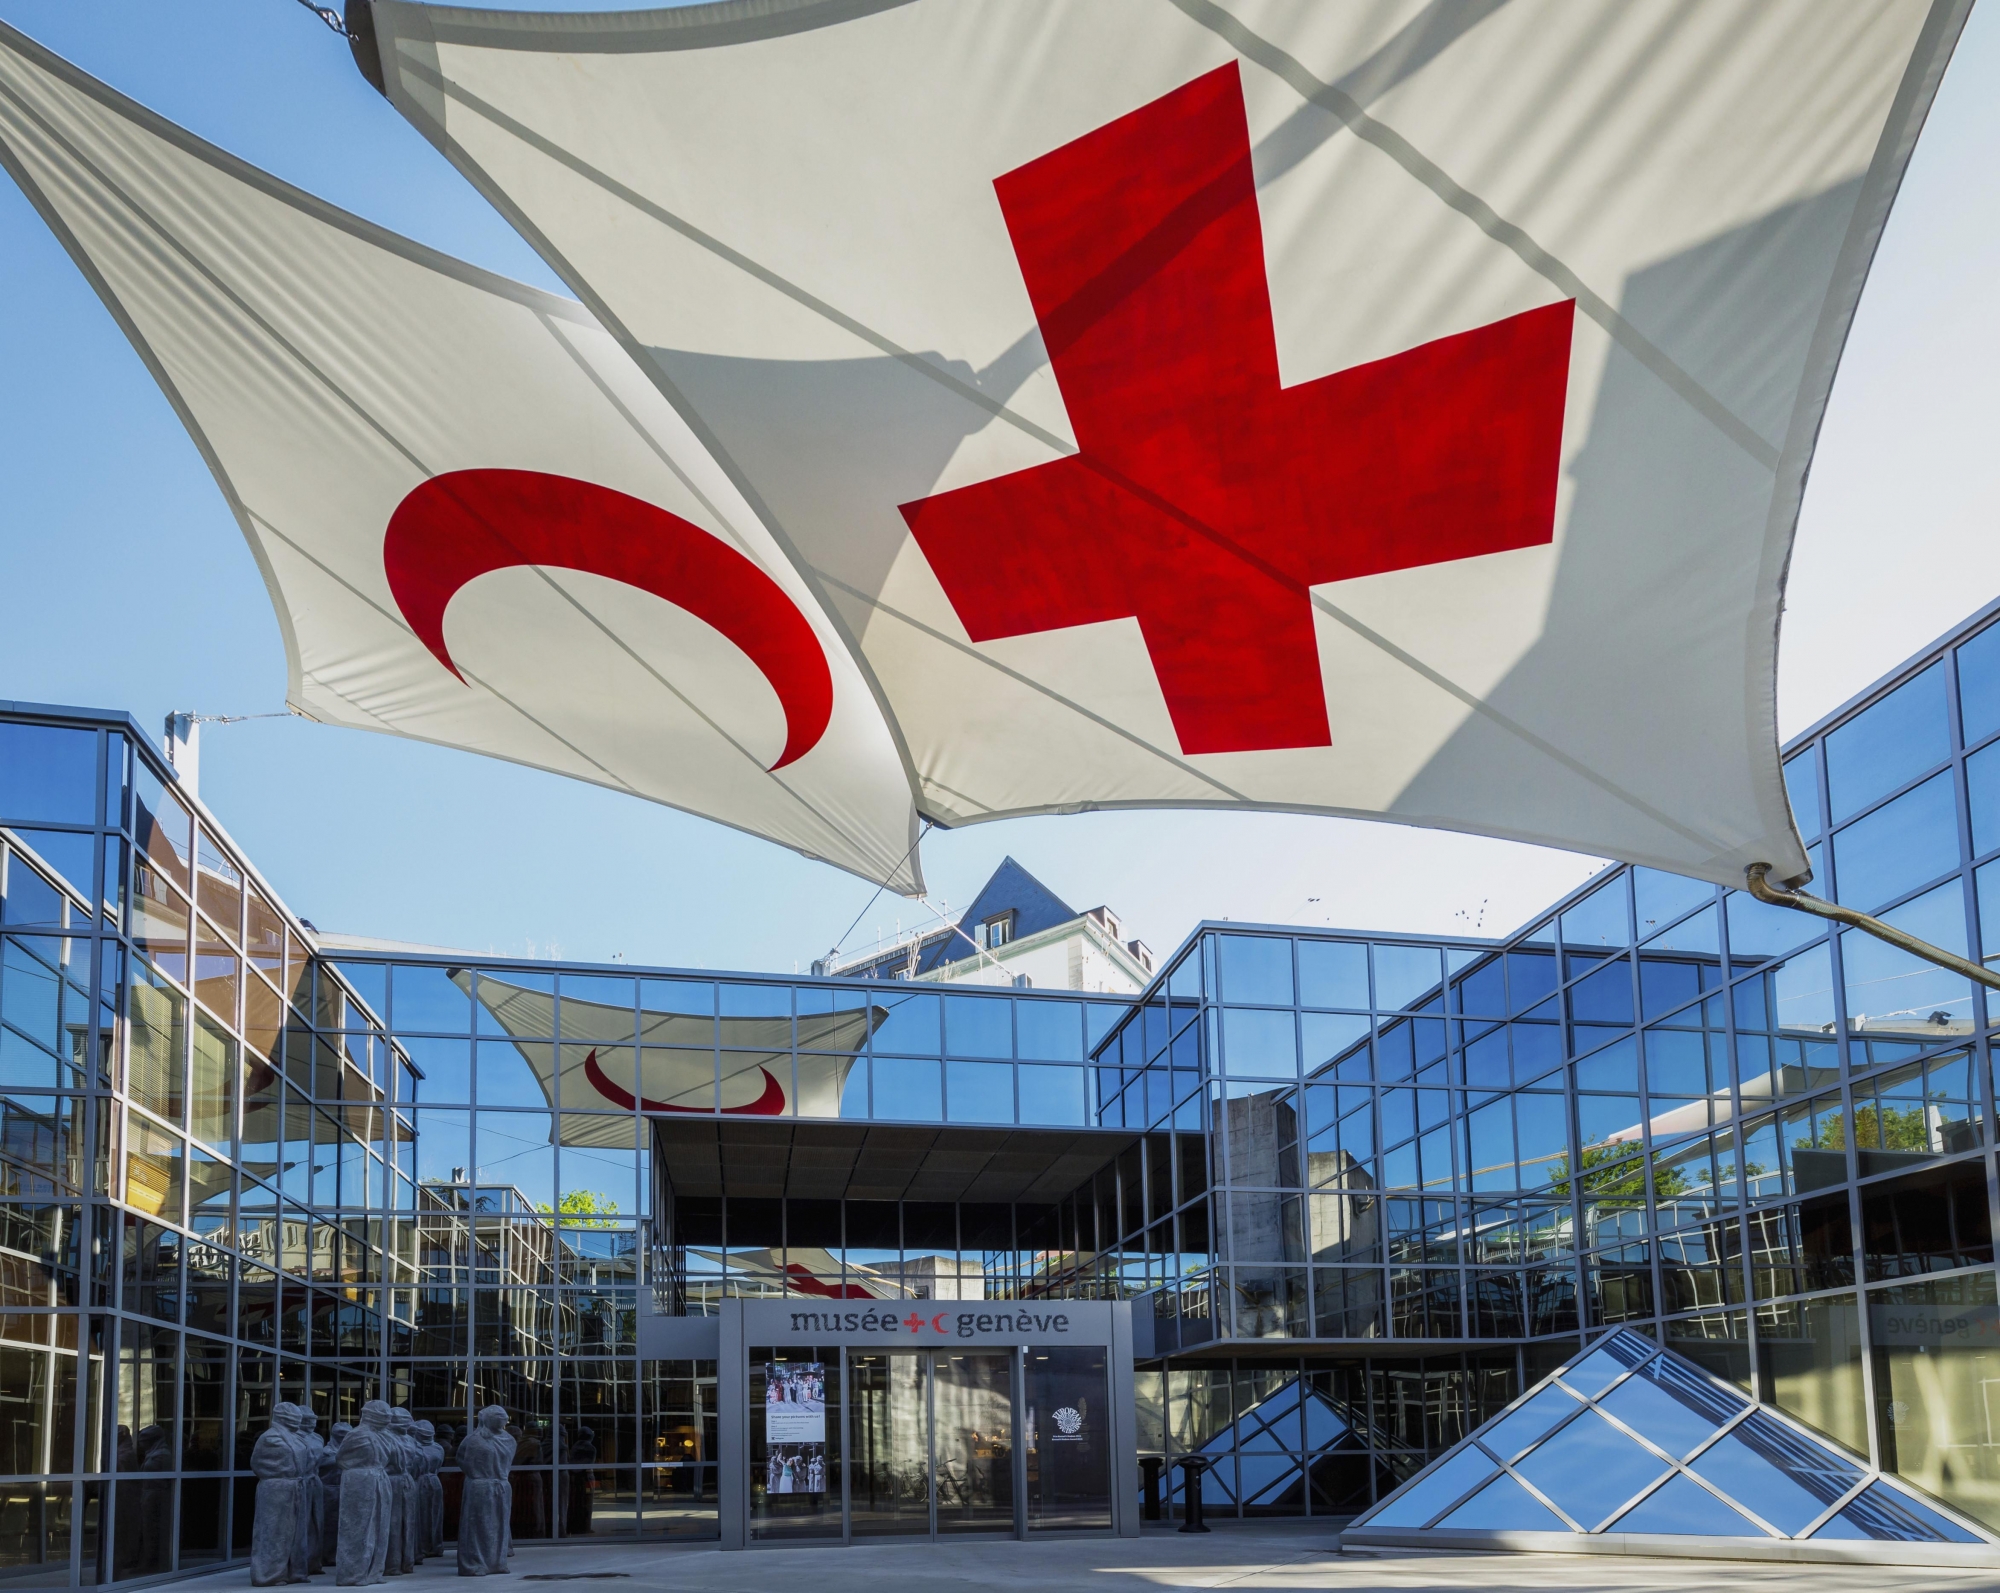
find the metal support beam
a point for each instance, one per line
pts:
(1757, 880)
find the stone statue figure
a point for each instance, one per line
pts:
(484, 1456)
(431, 1486)
(274, 1531)
(306, 1439)
(329, 1494)
(402, 1477)
(366, 1499)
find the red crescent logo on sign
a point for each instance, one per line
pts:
(467, 523)
(937, 1322)
(769, 1104)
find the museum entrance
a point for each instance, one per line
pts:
(846, 1441)
(931, 1442)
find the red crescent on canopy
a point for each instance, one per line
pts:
(464, 524)
(770, 1104)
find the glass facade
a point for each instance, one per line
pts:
(1661, 1106)
(1363, 1190)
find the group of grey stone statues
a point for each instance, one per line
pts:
(367, 1500)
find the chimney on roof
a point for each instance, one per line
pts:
(183, 739)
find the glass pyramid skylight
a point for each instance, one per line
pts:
(1644, 1452)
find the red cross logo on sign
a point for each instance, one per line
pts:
(1206, 499)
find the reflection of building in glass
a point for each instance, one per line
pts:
(1363, 1190)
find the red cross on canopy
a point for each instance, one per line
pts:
(1205, 498)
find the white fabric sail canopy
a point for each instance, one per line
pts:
(479, 523)
(1396, 410)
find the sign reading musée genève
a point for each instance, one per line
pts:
(919, 1322)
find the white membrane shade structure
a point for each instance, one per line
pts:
(1398, 410)
(1631, 1449)
(478, 522)
(608, 1059)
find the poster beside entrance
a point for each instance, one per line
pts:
(795, 1427)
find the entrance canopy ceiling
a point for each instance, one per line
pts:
(832, 1161)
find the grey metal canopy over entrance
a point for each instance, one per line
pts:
(1631, 1449)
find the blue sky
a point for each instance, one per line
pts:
(127, 584)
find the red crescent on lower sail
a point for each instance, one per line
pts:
(467, 523)
(770, 1104)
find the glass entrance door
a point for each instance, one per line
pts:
(972, 1442)
(890, 1491)
(933, 1442)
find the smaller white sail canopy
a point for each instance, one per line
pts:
(671, 1064)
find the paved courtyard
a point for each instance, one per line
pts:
(1283, 1556)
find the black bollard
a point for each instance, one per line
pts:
(1192, 1466)
(1151, 1466)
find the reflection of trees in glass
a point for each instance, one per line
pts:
(1876, 1128)
(584, 1208)
(1612, 1171)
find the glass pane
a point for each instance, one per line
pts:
(1895, 995)
(1898, 847)
(1589, 1469)
(48, 773)
(1802, 787)
(973, 1410)
(1661, 898)
(912, 1024)
(1934, 1385)
(1503, 1505)
(978, 1026)
(907, 1088)
(430, 1000)
(1682, 1507)
(1259, 1043)
(1785, 1477)
(1069, 1439)
(890, 1487)
(1047, 1031)
(1758, 929)
(1415, 1504)
(1599, 919)
(1601, 1368)
(1333, 974)
(1405, 975)
(1979, 685)
(1671, 1407)
(1889, 744)
(1884, 1515)
(979, 1092)
(1052, 1095)
(1512, 1434)
(1257, 969)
